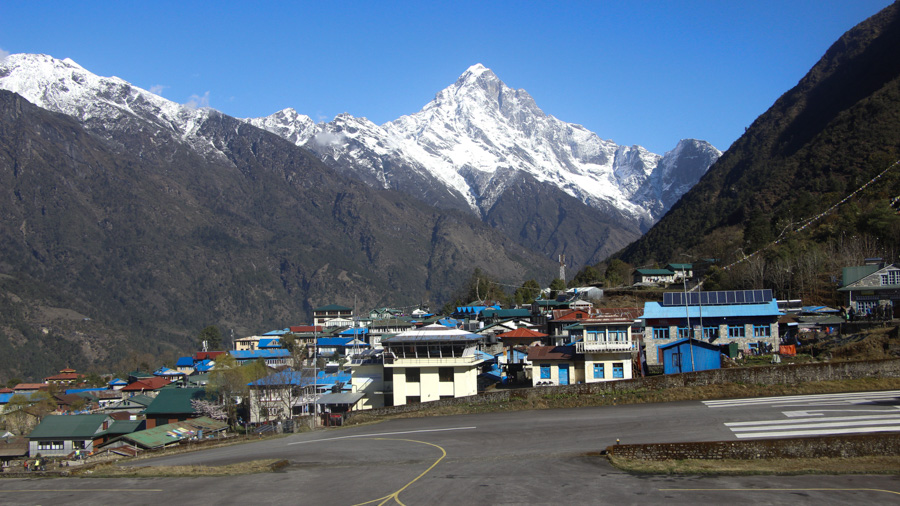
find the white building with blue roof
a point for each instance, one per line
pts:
(430, 363)
(746, 317)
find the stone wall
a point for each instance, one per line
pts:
(862, 445)
(782, 374)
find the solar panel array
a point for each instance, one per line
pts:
(717, 298)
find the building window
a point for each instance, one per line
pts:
(762, 331)
(618, 370)
(445, 374)
(710, 332)
(735, 331)
(412, 375)
(413, 399)
(618, 335)
(864, 307)
(891, 277)
(545, 371)
(684, 332)
(599, 372)
(50, 445)
(676, 359)
(661, 333)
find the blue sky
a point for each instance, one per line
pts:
(638, 72)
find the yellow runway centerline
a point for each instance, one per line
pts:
(395, 495)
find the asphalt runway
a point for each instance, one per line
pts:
(529, 457)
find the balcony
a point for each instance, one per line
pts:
(601, 346)
(424, 361)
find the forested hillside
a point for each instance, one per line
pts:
(811, 183)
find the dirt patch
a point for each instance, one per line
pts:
(110, 470)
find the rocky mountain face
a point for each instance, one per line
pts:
(811, 152)
(125, 214)
(114, 241)
(479, 139)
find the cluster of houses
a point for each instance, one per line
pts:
(346, 362)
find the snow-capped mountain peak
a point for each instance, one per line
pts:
(477, 134)
(475, 141)
(102, 103)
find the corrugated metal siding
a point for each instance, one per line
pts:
(703, 358)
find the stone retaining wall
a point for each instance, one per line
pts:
(774, 375)
(862, 445)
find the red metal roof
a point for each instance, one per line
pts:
(522, 333)
(203, 355)
(146, 384)
(31, 386)
(300, 329)
(64, 376)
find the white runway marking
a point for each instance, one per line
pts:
(815, 422)
(381, 434)
(809, 400)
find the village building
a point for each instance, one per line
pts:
(431, 363)
(60, 435)
(555, 365)
(65, 377)
(872, 290)
(333, 315)
(746, 318)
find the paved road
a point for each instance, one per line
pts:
(533, 457)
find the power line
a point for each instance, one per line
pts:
(786, 233)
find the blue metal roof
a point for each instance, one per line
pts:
(117, 382)
(484, 356)
(277, 332)
(656, 310)
(354, 332)
(204, 366)
(79, 390)
(185, 362)
(334, 341)
(253, 354)
(270, 343)
(286, 377)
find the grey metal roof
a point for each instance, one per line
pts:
(341, 398)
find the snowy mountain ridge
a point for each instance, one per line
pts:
(475, 141)
(100, 103)
(478, 133)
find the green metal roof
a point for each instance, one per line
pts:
(542, 302)
(505, 313)
(172, 432)
(143, 400)
(122, 427)
(851, 275)
(333, 307)
(175, 400)
(69, 426)
(654, 272)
